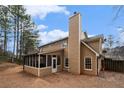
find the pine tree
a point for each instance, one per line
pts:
(5, 26)
(22, 27)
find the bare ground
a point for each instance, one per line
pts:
(12, 75)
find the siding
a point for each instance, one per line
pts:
(45, 71)
(54, 46)
(96, 45)
(87, 52)
(31, 70)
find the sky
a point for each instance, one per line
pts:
(52, 21)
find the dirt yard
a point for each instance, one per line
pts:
(12, 75)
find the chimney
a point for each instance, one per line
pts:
(75, 31)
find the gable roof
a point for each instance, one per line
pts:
(94, 38)
(54, 41)
(86, 39)
(89, 47)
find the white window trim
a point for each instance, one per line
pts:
(84, 63)
(64, 63)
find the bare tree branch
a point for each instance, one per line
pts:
(118, 10)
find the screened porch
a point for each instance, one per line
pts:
(40, 60)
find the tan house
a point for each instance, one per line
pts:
(77, 53)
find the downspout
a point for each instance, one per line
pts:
(97, 66)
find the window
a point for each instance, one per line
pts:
(66, 62)
(64, 44)
(87, 63)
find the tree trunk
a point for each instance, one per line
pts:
(21, 32)
(17, 47)
(14, 38)
(5, 41)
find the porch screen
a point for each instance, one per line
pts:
(49, 60)
(43, 61)
(58, 60)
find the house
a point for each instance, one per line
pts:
(77, 53)
(114, 53)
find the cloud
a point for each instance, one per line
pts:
(55, 34)
(43, 10)
(91, 35)
(120, 29)
(120, 33)
(48, 36)
(121, 37)
(41, 27)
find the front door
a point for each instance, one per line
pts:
(54, 64)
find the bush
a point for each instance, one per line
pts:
(4, 59)
(18, 61)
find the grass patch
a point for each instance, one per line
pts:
(8, 59)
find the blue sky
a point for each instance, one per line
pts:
(52, 21)
(95, 20)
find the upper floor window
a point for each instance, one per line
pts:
(64, 44)
(87, 63)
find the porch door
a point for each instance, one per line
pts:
(54, 64)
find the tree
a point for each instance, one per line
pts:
(5, 26)
(109, 42)
(13, 10)
(23, 23)
(118, 11)
(24, 36)
(29, 33)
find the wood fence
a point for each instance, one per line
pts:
(113, 65)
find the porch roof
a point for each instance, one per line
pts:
(30, 54)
